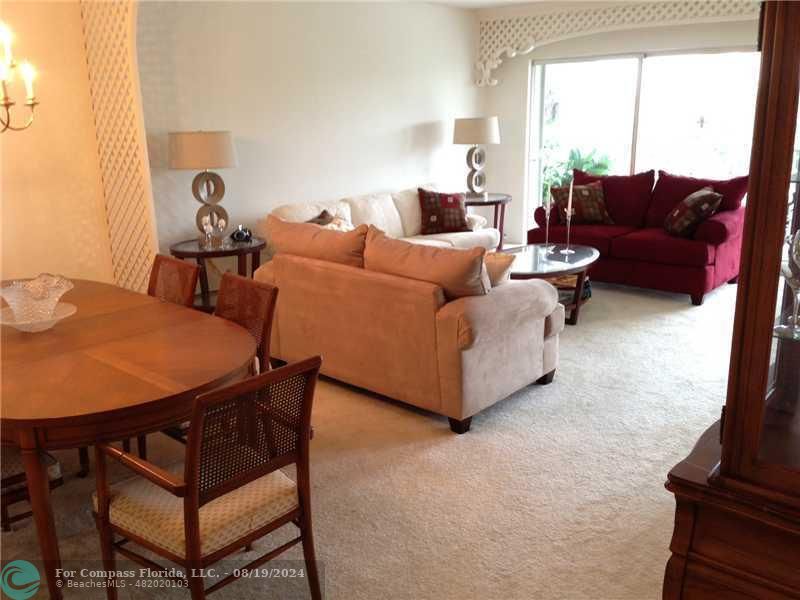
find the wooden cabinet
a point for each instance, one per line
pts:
(737, 518)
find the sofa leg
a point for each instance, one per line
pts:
(734, 280)
(546, 378)
(461, 426)
(697, 299)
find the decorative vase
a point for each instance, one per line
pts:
(33, 304)
(791, 273)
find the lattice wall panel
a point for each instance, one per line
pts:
(109, 30)
(520, 35)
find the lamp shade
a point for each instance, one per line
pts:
(483, 130)
(201, 150)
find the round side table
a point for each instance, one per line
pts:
(192, 249)
(498, 202)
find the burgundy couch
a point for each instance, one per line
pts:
(636, 250)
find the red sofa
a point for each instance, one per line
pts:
(636, 250)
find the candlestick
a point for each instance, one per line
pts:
(569, 201)
(548, 249)
(567, 251)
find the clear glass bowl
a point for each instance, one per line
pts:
(35, 300)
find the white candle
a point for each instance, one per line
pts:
(28, 75)
(569, 201)
(5, 38)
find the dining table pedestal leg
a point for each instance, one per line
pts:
(39, 492)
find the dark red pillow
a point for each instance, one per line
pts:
(627, 196)
(442, 213)
(672, 189)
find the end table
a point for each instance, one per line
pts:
(498, 201)
(193, 250)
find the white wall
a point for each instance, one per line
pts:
(506, 163)
(53, 215)
(324, 100)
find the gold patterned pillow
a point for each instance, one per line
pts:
(588, 204)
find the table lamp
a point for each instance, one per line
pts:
(204, 150)
(476, 132)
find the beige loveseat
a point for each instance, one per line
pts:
(400, 337)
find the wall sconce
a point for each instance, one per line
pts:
(7, 69)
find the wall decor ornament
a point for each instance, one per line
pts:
(8, 66)
(519, 35)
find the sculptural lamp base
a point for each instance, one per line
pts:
(208, 189)
(476, 178)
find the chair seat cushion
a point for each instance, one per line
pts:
(156, 516)
(12, 467)
(596, 236)
(487, 238)
(656, 245)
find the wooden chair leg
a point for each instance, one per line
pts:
(83, 457)
(141, 444)
(310, 556)
(126, 445)
(107, 552)
(197, 585)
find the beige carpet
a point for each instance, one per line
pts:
(557, 492)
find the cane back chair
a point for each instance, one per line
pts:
(232, 486)
(14, 485)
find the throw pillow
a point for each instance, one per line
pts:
(458, 272)
(672, 189)
(442, 213)
(313, 241)
(588, 204)
(498, 265)
(627, 197)
(693, 210)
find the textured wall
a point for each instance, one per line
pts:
(324, 100)
(53, 216)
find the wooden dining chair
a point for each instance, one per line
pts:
(248, 303)
(171, 280)
(230, 491)
(14, 485)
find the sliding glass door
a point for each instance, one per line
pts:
(690, 114)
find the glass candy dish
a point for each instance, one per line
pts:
(33, 304)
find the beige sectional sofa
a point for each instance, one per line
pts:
(402, 338)
(396, 213)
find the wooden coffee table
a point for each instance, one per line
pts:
(533, 262)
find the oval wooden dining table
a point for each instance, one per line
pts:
(125, 364)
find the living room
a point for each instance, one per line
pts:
(500, 401)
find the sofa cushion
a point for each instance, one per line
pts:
(407, 204)
(684, 219)
(300, 213)
(313, 241)
(596, 236)
(488, 238)
(442, 212)
(458, 272)
(671, 189)
(657, 246)
(627, 196)
(588, 204)
(498, 265)
(378, 210)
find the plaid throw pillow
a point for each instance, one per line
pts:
(588, 204)
(442, 213)
(683, 220)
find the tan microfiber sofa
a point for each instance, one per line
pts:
(399, 337)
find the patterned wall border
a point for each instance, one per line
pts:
(515, 36)
(109, 30)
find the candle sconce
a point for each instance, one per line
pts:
(7, 69)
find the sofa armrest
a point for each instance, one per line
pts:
(721, 227)
(540, 216)
(466, 321)
(475, 222)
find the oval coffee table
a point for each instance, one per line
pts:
(533, 262)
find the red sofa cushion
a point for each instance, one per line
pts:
(596, 236)
(671, 189)
(656, 245)
(627, 196)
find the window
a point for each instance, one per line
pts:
(691, 114)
